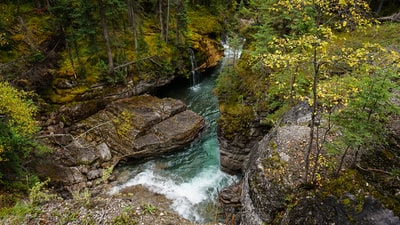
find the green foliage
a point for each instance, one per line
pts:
(17, 110)
(39, 194)
(272, 118)
(124, 218)
(227, 87)
(201, 21)
(3, 40)
(17, 129)
(117, 77)
(150, 209)
(36, 57)
(349, 182)
(304, 51)
(236, 119)
(107, 173)
(353, 182)
(72, 29)
(17, 124)
(363, 120)
(16, 214)
(123, 122)
(82, 197)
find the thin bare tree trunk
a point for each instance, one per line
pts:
(313, 115)
(167, 24)
(106, 39)
(132, 17)
(160, 9)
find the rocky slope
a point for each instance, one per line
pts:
(96, 207)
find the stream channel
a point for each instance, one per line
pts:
(190, 178)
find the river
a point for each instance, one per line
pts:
(191, 178)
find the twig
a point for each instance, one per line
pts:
(74, 138)
(373, 170)
(99, 125)
(55, 135)
(153, 61)
(132, 62)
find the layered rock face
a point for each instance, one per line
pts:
(143, 126)
(234, 152)
(139, 127)
(238, 132)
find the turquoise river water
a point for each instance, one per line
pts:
(190, 178)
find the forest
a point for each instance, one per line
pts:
(341, 58)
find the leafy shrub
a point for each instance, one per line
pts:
(39, 194)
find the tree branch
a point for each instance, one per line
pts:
(135, 61)
(373, 170)
(393, 18)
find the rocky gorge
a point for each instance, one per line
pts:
(108, 124)
(96, 119)
(269, 158)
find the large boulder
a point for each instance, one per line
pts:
(140, 127)
(274, 173)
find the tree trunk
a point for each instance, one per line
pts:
(160, 10)
(181, 22)
(167, 23)
(380, 7)
(106, 38)
(313, 115)
(132, 18)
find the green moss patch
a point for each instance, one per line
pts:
(353, 182)
(235, 119)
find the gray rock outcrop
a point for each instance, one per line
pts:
(272, 190)
(140, 127)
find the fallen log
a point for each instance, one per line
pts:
(393, 18)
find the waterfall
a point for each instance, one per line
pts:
(194, 75)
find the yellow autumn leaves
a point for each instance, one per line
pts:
(16, 115)
(293, 59)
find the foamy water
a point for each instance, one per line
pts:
(188, 197)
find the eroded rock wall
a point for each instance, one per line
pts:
(139, 127)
